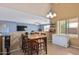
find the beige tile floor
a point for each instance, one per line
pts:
(55, 50)
(58, 50)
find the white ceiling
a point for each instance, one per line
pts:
(7, 13)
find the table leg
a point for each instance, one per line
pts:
(45, 40)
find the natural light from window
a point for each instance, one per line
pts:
(46, 27)
(73, 25)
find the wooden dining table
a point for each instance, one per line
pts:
(35, 36)
(41, 39)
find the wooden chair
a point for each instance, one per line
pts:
(42, 45)
(26, 33)
(43, 33)
(32, 33)
(24, 42)
(37, 33)
(29, 47)
(33, 47)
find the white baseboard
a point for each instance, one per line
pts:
(74, 46)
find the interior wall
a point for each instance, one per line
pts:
(8, 27)
(30, 27)
(12, 27)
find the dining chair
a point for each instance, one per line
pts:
(29, 47)
(43, 33)
(42, 45)
(33, 47)
(26, 33)
(24, 42)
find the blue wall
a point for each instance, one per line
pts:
(12, 27)
(30, 27)
(7, 27)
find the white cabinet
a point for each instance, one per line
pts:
(61, 40)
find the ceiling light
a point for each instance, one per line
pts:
(51, 14)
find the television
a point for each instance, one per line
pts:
(21, 28)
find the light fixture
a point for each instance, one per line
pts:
(51, 14)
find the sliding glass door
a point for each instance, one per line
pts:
(69, 27)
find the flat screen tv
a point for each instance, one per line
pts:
(21, 28)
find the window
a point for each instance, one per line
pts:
(46, 27)
(73, 25)
(69, 26)
(72, 29)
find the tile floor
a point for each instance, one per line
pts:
(55, 50)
